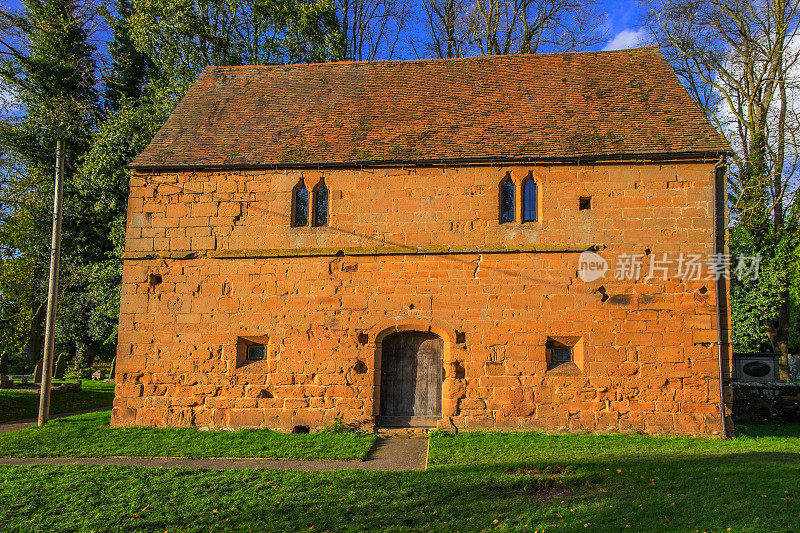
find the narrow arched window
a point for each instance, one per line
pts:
(300, 207)
(529, 200)
(506, 200)
(320, 205)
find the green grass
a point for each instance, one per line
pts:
(761, 429)
(90, 435)
(19, 404)
(481, 481)
(746, 492)
(497, 447)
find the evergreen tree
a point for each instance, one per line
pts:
(157, 49)
(48, 63)
(126, 81)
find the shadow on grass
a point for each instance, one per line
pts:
(751, 491)
(746, 428)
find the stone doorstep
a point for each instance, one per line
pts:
(426, 422)
(406, 426)
(403, 432)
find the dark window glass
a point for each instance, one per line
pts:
(585, 203)
(256, 352)
(301, 206)
(321, 205)
(506, 201)
(561, 355)
(529, 201)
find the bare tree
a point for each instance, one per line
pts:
(448, 27)
(739, 60)
(373, 28)
(457, 28)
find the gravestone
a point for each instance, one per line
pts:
(37, 372)
(60, 367)
(5, 382)
(73, 387)
(98, 374)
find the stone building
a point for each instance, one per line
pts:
(407, 243)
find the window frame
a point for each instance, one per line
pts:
(249, 347)
(529, 180)
(503, 195)
(572, 344)
(297, 202)
(567, 349)
(320, 188)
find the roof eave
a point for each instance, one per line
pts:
(684, 156)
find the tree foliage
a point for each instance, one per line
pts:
(184, 36)
(50, 66)
(127, 78)
(48, 61)
(740, 60)
(755, 302)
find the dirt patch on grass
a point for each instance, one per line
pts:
(546, 485)
(551, 472)
(549, 493)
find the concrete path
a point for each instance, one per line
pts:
(5, 427)
(387, 454)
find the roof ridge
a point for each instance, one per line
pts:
(499, 57)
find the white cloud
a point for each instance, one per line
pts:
(627, 38)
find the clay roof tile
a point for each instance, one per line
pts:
(496, 108)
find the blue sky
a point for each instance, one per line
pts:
(625, 19)
(623, 14)
(624, 23)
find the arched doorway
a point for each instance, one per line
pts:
(411, 379)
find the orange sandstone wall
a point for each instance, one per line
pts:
(211, 258)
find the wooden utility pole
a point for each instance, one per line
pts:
(52, 290)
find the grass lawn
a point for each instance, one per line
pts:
(19, 404)
(90, 435)
(497, 447)
(503, 481)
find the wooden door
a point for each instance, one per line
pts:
(411, 379)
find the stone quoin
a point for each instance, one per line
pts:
(400, 243)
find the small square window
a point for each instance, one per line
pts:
(256, 352)
(565, 353)
(561, 355)
(585, 203)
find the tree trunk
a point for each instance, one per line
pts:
(778, 332)
(36, 334)
(84, 355)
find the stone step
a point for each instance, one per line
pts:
(403, 432)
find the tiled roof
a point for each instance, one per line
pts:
(496, 108)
